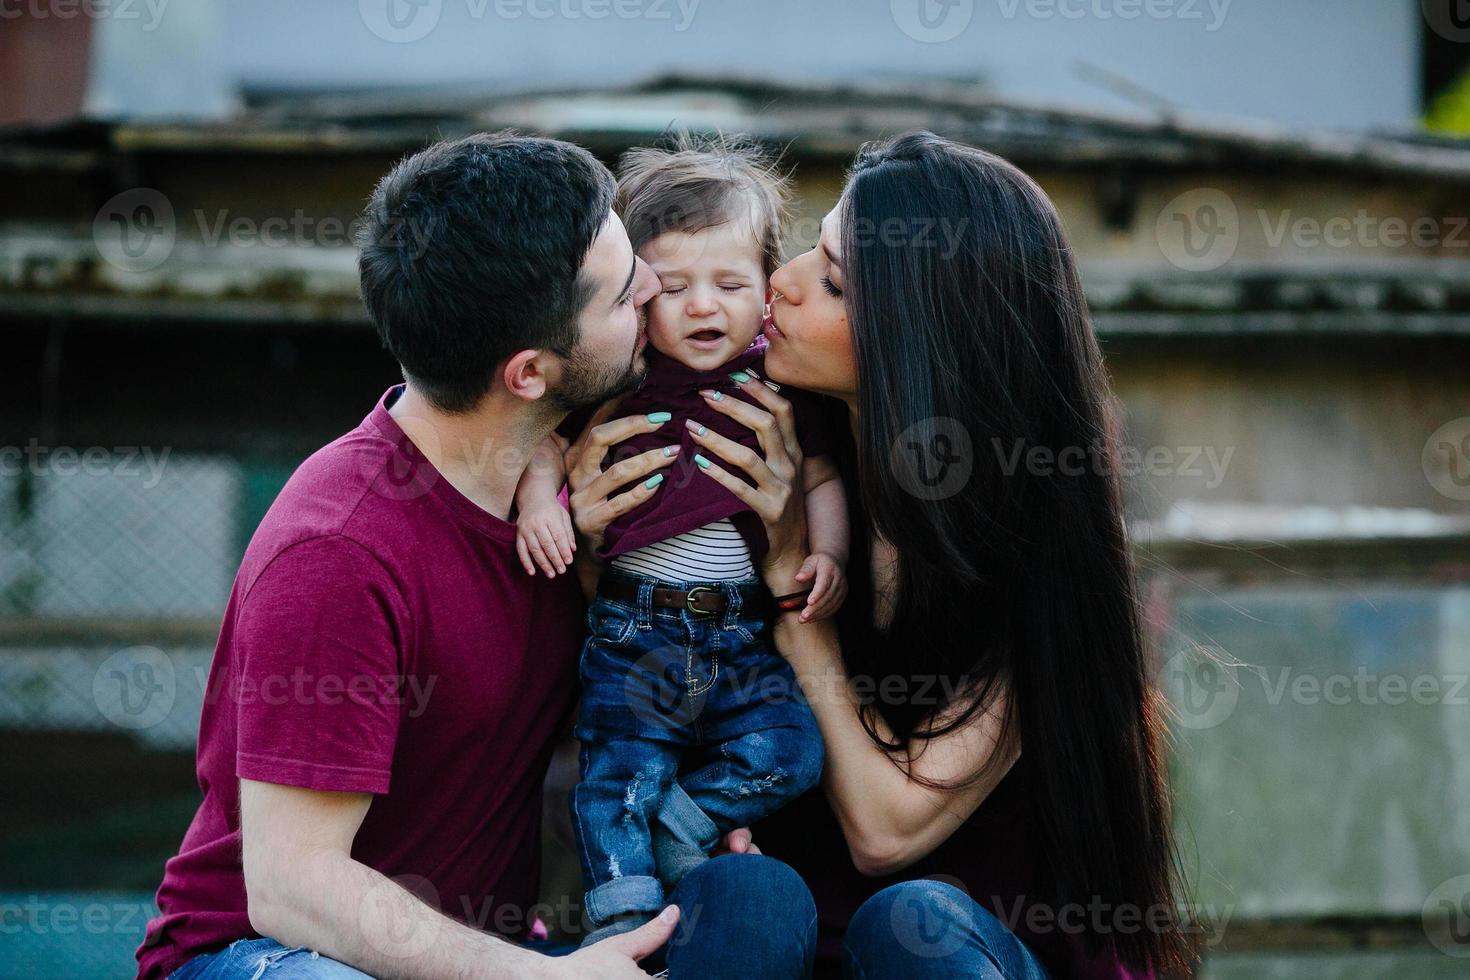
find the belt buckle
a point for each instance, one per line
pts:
(689, 600)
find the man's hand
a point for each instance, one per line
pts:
(616, 957)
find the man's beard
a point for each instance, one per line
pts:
(585, 381)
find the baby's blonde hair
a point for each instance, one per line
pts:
(700, 182)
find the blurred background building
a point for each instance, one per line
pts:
(1269, 202)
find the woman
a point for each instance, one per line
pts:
(994, 802)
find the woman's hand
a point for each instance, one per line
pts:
(590, 484)
(777, 495)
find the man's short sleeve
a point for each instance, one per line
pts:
(317, 669)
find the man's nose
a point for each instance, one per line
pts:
(645, 283)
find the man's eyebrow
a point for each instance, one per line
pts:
(623, 293)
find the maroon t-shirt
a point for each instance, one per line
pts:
(381, 637)
(687, 500)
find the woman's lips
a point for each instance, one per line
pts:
(769, 328)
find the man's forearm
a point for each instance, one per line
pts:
(341, 908)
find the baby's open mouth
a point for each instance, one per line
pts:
(707, 336)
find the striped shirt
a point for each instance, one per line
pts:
(710, 553)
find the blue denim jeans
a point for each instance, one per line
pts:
(690, 724)
(741, 916)
(926, 928)
(265, 959)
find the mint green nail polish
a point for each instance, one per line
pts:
(701, 430)
(703, 463)
(658, 418)
(717, 395)
(654, 480)
(668, 450)
(739, 377)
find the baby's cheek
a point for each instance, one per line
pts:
(663, 321)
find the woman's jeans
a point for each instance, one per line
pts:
(927, 928)
(741, 916)
(672, 693)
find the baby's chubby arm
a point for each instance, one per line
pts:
(544, 535)
(827, 534)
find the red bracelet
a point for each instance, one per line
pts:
(793, 600)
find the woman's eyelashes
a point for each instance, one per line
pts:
(830, 287)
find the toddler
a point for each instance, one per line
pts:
(690, 725)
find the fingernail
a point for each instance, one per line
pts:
(670, 450)
(658, 418)
(669, 914)
(703, 463)
(751, 372)
(713, 395)
(695, 427)
(653, 481)
(771, 385)
(739, 377)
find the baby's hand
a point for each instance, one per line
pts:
(545, 533)
(829, 586)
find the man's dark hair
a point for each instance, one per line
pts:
(469, 251)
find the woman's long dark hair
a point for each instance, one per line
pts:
(984, 450)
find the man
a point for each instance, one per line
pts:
(389, 683)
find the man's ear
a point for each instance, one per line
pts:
(526, 373)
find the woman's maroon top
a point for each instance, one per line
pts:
(991, 857)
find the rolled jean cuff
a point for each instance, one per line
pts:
(685, 819)
(635, 893)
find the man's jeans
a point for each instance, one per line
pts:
(255, 959)
(741, 916)
(670, 692)
(928, 928)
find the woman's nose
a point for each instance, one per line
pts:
(780, 283)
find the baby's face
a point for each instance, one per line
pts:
(714, 291)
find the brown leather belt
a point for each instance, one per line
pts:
(701, 599)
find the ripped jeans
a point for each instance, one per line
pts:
(265, 959)
(690, 724)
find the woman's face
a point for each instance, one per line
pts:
(811, 344)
